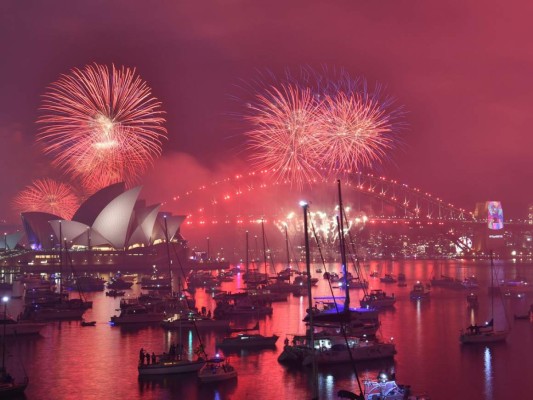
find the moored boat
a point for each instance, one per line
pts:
(9, 326)
(419, 292)
(191, 320)
(334, 350)
(166, 365)
(246, 341)
(217, 369)
(377, 299)
(483, 334)
(137, 315)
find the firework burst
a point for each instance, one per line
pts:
(101, 126)
(356, 130)
(310, 126)
(282, 138)
(47, 195)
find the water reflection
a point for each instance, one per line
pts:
(487, 358)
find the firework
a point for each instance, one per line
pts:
(47, 195)
(282, 138)
(356, 130)
(101, 126)
(317, 124)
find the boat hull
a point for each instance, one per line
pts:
(22, 328)
(207, 376)
(247, 341)
(138, 319)
(171, 367)
(360, 353)
(484, 337)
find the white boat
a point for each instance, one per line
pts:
(377, 299)
(167, 366)
(137, 315)
(333, 350)
(483, 334)
(383, 388)
(9, 327)
(419, 292)
(217, 369)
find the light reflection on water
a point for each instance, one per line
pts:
(98, 362)
(488, 373)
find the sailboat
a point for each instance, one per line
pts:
(8, 386)
(58, 306)
(171, 363)
(484, 333)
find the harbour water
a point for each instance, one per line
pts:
(68, 361)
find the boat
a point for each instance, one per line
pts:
(9, 387)
(119, 283)
(63, 310)
(388, 278)
(88, 323)
(419, 292)
(472, 300)
(243, 340)
(10, 326)
(447, 282)
(338, 349)
(385, 388)
(484, 333)
(137, 314)
(167, 365)
(156, 282)
(377, 299)
(115, 293)
(240, 304)
(85, 283)
(191, 320)
(217, 369)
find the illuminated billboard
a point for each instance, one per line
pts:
(494, 215)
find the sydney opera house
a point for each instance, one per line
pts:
(112, 228)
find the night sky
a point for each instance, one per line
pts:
(463, 70)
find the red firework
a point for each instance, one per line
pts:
(355, 130)
(47, 195)
(282, 139)
(101, 126)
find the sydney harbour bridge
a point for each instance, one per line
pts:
(224, 209)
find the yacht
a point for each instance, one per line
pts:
(419, 292)
(377, 298)
(243, 340)
(217, 369)
(137, 314)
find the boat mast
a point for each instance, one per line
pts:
(264, 246)
(3, 370)
(247, 252)
(343, 249)
(168, 258)
(287, 247)
(493, 289)
(311, 330)
(61, 262)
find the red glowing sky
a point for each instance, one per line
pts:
(462, 69)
